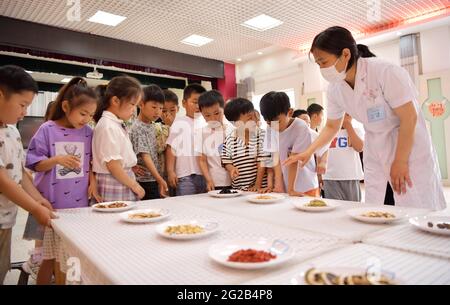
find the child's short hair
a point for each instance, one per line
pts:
(210, 98)
(273, 104)
(299, 112)
(76, 92)
(236, 107)
(14, 79)
(123, 87)
(153, 93)
(170, 96)
(192, 88)
(314, 109)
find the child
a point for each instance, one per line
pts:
(183, 171)
(344, 170)
(270, 165)
(171, 107)
(143, 137)
(315, 112)
(60, 153)
(242, 152)
(17, 91)
(302, 115)
(289, 136)
(211, 137)
(113, 155)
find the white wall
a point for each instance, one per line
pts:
(277, 71)
(435, 44)
(389, 51)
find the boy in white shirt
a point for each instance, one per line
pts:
(289, 136)
(183, 171)
(210, 143)
(344, 170)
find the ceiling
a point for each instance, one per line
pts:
(164, 23)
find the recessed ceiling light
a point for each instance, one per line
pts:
(262, 23)
(260, 53)
(65, 80)
(196, 40)
(107, 18)
(239, 59)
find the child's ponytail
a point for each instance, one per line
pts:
(122, 87)
(76, 92)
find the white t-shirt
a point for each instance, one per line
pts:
(295, 139)
(111, 142)
(182, 141)
(212, 140)
(344, 162)
(314, 136)
(12, 160)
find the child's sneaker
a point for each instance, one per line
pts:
(32, 265)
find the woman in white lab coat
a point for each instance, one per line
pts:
(380, 95)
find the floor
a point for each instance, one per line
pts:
(21, 247)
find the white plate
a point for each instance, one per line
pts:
(357, 214)
(344, 271)
(421, 222)
(220, 253)
(276, 198)
(130, 205)
(301, 204)
(164, 214)
(217, 195)
(209, 227)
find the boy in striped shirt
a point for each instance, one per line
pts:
(242, 152)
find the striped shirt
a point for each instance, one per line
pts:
(245, 158)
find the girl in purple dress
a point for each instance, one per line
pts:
(60, 154)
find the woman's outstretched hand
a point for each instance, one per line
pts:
(301, 158)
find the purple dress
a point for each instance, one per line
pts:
(65, 188)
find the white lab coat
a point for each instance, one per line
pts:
(379, 87)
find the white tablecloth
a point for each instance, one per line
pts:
(411, 239)
(408, 268)
(114, 252)
(336, 223)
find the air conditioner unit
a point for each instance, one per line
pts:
(95, 74)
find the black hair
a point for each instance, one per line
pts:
(299, 112)
(192, 88)
(210, 98)
(76, 92)
(335, 39)
(14, 79)
(153, 93)
(236, 107)
(123, 87)
(364, 51)
(273, 104)
(314, 109)
(170, 96)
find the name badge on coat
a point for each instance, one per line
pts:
(376, 113)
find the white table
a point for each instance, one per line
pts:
(336, 223)
(113, 252)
